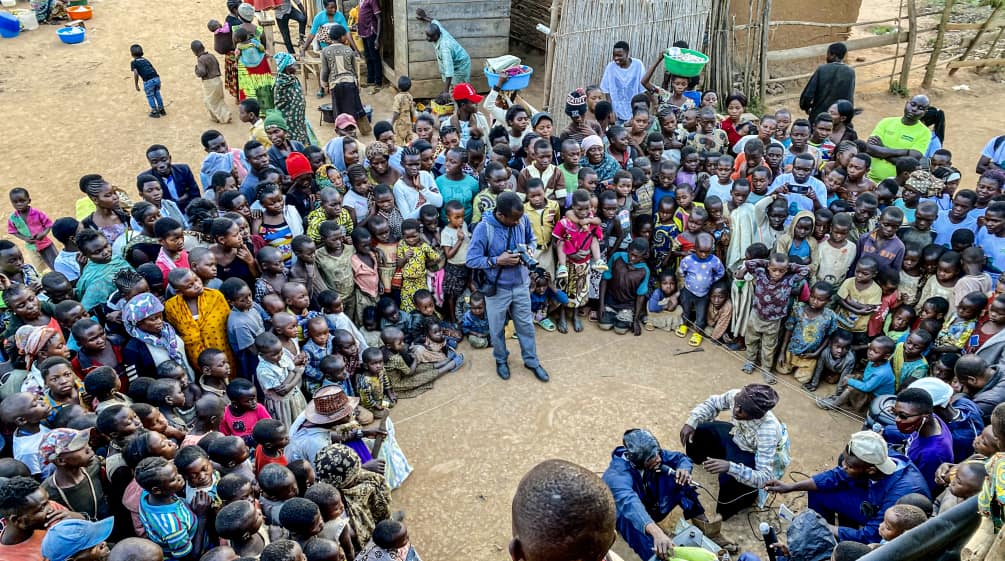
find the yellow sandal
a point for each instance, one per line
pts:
(682, 331)
(695, 340)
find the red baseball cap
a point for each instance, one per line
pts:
(465, 92)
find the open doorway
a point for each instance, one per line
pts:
(387, 34)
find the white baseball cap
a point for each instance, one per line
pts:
(871, 449)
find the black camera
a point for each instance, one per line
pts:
(525, 256)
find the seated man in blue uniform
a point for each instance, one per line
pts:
(647, 483)
(867, 482)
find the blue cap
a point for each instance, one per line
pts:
(70, 537)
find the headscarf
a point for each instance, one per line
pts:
(30, 340)
(925, 183)
(283, 61)
(365, 494)
(640, 446)
(939, 391)
(377, 149)
(246, 12)
(756, 400)
(324, 34)
(336, 154)
(590, 142)
(575, 103)
(139, 308)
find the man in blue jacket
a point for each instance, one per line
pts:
(499, 247)
(867, 482)
(176, 180)
(648, 482)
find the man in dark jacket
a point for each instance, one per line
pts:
(176, 180)
(648, 482)
(831, 82)
(983, 384)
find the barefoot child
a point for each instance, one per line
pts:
(580, 240)
(375, 390)
(773, 282)
(31, 226)
(280, 379)
(878, 378)
(858, 298)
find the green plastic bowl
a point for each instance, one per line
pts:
(682, 68)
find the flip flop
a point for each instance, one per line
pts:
(458, 362)
(695, 340)
(748, 368)
(546, 324)
(682, 331)
(650, 327)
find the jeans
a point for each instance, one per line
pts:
(284, 26)
(694, 309)
(152, 89)
(511, 303)
(374, 71)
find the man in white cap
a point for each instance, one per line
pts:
(80, 540)
(839, 491)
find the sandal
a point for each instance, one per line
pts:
(562, 326)
(561, 272)
(770, 378)
(577, 324)
(599, 266)
(594, 316)
(546, 324)
(650, 327)
(695, 340)
(682, 331)
(458, 362)
(748, 368)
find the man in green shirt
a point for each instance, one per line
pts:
(896, 137)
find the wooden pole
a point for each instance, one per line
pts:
(821, 49)
(984, 27)
(549, 63)
(912, 40)
(954, 64)
(991, 49)
(947, 12)
(762, 90)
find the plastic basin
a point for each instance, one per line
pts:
(71, 35)
(684, 68)
(80, 12)
(514, 83)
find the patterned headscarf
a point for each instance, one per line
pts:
(246, 12)
(377, 149)
(31, 339)
(925, 183)
(283, 61)
(139, 308)
(365, 494)
(324, 34)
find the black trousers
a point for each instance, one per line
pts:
(371, 51)
(284, 26)
(712, 440)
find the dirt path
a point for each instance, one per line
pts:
(72, 110)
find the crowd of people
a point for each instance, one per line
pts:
(219, 350)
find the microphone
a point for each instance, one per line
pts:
(770, 539)
(667, 470)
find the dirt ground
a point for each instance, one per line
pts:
(72, 110)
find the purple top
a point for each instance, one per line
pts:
(929, 452)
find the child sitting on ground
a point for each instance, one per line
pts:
(663, 307)
(877, 379)
(375, 390)
(433, 349)
(720, 312)
(542, 297)
(835, 362)
(474, 324)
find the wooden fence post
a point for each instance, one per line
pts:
(549, 65)
(937, 47)
(912, 39)
(765, 30)
(984, 27)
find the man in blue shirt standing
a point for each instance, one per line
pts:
(867, 482)
(498, 251)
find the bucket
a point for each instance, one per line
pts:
(327, 114)
(10, 27)
(27, 18)
(80, 12)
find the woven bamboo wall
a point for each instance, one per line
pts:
(588, 29)
(526, 14)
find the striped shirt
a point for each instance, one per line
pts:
(170, 526)
(760, 436)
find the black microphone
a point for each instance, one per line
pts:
(770, 539)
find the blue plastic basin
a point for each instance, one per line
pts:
(515, 83)
(71, 35)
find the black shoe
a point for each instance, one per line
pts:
(539, 372)
(162, 111)
(155, 114)
(502, 369)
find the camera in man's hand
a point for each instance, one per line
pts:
(525, 256)
(798, 188)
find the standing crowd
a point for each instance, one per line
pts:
(219, 350)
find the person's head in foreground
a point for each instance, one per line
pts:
(79, 540)
(561, 512)
(866, 456)
(899, 519)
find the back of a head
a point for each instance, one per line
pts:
(562, 511)
(850, 551)
(281, 550)
(131, 549)
(918, 500)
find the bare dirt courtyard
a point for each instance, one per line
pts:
(72, 110)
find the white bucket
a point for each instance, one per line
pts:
(27, 18)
